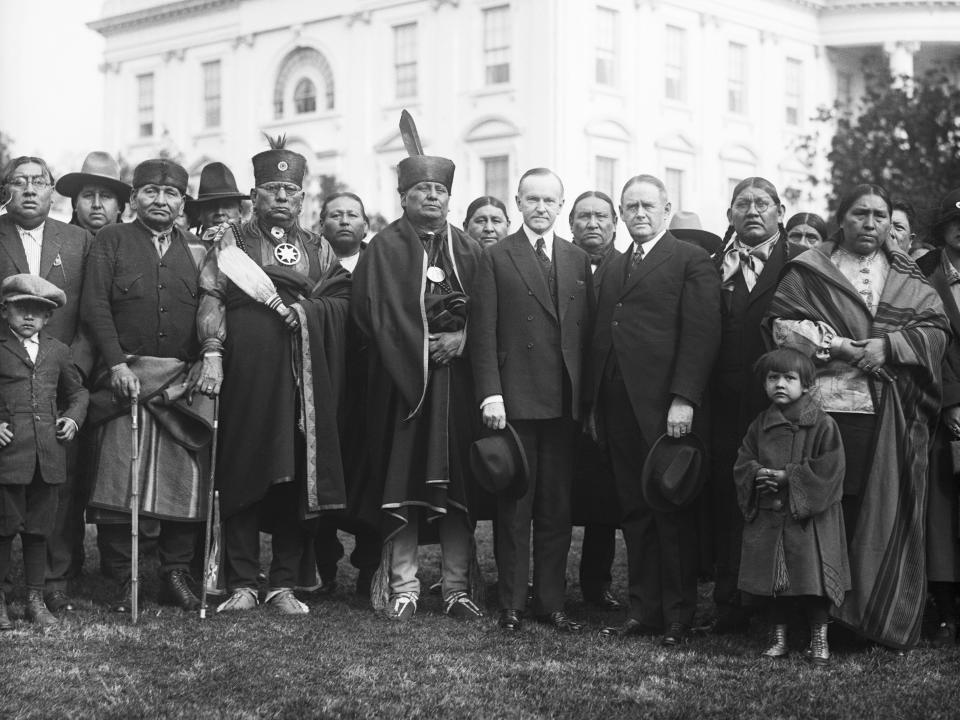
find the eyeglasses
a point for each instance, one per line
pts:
(152, 192)
(759, 203)
(275, 188)
(20, 182)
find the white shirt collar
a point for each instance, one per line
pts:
(547, 240)
(648, 245)
(35, 233)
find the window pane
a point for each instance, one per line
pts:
(211, 94)
(606, 174)
(496, 45)
(675, 68)
(737, 78)
(405, 60)
(305, 97)
(606, 46)
(145, 105)
(673, 179)
(496, 176)
(794, 90)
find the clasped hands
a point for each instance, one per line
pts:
(769, 481)
(445, 346)
(868, 355)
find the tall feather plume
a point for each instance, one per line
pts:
(278, 142)
(409, 134)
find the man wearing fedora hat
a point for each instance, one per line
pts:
(140, 302)
(97, 193)
(218, 200)
(656, 335)
(32, 242)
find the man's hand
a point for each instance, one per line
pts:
(951, 418)
(679, 417)
(205, 376)
(444, 347)
(66, 429)
(494, 416)
(290, 317)
(873, 357)
(590, 426)
(125, 385)
(6, 434)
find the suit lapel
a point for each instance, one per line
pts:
(10, 341)
(566, 271)
(661, 252)
(11, 244)
(522, 255)
(770, 274)
(50, 248)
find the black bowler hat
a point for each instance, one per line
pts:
(499, 463)
(673, 473)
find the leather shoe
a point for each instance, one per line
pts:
(37, 611)
(121, 601)
(604, 601)
(675, 635)
(509, 620)
(58, 601)
(176, 591)
(562, 622)
(630, 627)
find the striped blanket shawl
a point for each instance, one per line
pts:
(887, 551)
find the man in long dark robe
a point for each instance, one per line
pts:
(282, 368)
(410, 301)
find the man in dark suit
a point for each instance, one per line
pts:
(656, 335)
(31, 242)
(533, 305)
(593, 224)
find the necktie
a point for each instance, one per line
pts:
(162, 242)
(541, 253)
(32, 347)
(635, 258)
(546, 267)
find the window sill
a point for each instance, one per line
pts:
(608, 90)
(207, 133)
(673, 104)
(499, 89)
(410, 103)
(305, 117)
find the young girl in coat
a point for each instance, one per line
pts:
(789, 479)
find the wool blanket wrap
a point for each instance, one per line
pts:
(887, 553)
(174, 439)
(281, 394)
(421, 417)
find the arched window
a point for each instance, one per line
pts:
(306, 70)
(305, 97)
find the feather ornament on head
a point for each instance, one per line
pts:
(419, 167)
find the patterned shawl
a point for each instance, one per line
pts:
(887, 559)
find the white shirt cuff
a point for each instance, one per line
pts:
(491, 399)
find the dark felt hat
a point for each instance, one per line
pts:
(279, 165)
(704, 238)
(32, 287)
(160, 171)
(425, 168)
(949, 208)
(99, 168)
(216, 183)
(674, 472)
(499, 463)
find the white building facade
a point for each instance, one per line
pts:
(700, 93)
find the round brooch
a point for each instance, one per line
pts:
(277, 232)
(957, 204)
(286, 254)
(282, 166)
(435, 274)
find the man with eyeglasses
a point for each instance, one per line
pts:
(32, 242)
(530, 325)
(140, 301)
(277, 363)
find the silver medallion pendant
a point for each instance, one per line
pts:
(278, 233)
(435, 274)
(287, 254)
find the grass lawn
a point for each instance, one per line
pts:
(342, 661)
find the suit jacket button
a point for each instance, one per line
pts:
(529, 346)
(529, 317)
(619, 305)
(615, 323)
(529, 292)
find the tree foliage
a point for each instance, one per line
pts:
(903, 134)
(5, 143)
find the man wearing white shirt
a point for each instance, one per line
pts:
(527, 332)
(344, 224)
(655, 338)
(31, 242)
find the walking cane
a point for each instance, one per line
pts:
(212, 499)
(134, 508)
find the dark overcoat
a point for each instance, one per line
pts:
(29, 396)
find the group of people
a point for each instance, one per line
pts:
(797, 389)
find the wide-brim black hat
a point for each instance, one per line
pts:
(949, 209)
(674, 472)
(704, 238)
(499, 463)
(99, 168)
(216, 183)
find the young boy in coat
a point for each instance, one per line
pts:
(789, 479)
(37, 376)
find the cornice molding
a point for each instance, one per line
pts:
(159, 14)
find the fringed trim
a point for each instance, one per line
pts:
(380, 585)
(781, 579)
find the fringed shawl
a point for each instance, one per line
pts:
(887, 558)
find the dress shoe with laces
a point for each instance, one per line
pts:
(629, 627)
(58, 601)
(604, 601)
(176, 591)
(242, 598)
(778, 642)
(675, 635)
(562, 622)
(509, 620)
(5, 623)
(37, 611)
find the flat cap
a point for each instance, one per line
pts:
(32, 287)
